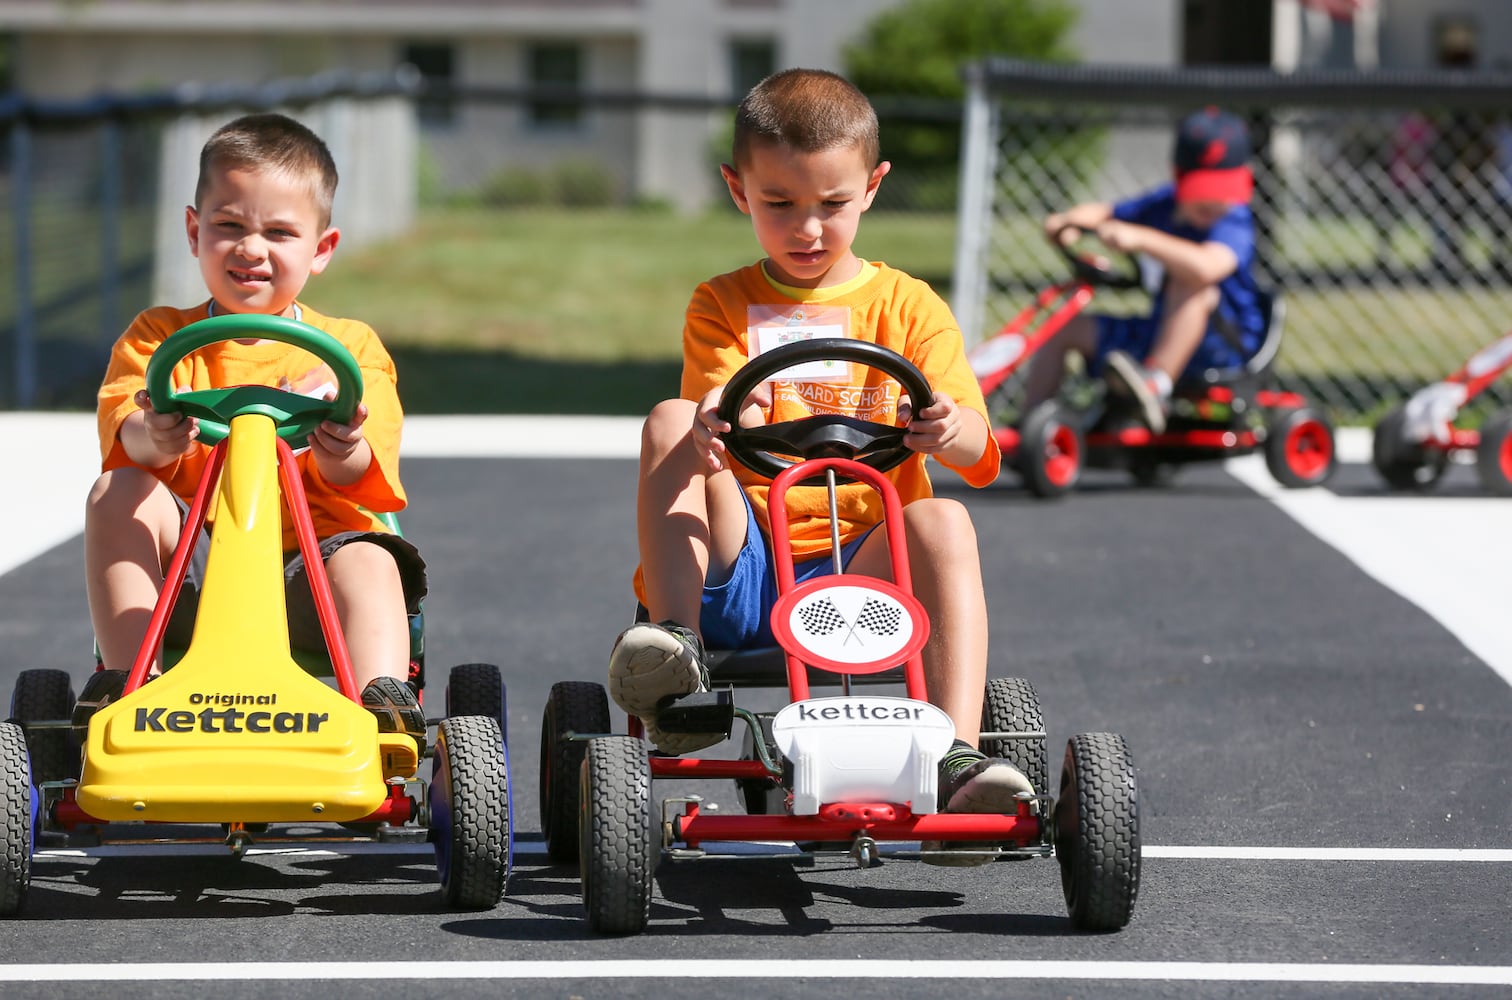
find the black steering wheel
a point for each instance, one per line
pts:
(1085, 265)
(827, 435)
(295, 415)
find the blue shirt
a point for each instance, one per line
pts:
(1238, 294)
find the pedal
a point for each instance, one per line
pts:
(701, 712)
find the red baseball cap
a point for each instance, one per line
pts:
(1212, 158)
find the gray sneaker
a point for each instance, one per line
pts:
(651, 664)
(972, 782)
(1130, 379)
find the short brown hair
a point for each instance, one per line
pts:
(810, 110)
(271, 141)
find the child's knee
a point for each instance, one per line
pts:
(129, 493)
(667, 425)
(941, 524)
(362, 564)
(1203, 294)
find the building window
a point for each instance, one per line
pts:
(556, 71)
(437, 64)
(751, 61)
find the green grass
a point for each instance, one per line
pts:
(554, 311)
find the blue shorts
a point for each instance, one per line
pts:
(1135, 335)
(304, 622)
(736, 614)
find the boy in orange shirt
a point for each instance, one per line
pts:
(260, 225)
(805, 166)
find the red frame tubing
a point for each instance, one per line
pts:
(1021, 828)
(897, 544)
(309, 547)
(1076, 295)
(320, 584)
(1474, 386)
(1275, 399)
(178, 568)
(1139, 437)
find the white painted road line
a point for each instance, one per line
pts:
(54, 457)
(870, 970)
(1447, 555)
(533, 849)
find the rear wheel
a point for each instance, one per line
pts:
(1493, 456)
(573, 707)
(477, 689)
(1299, 448)
(47, 696)
(617, 852)
(1051, 450)
(1403, 464)
(18, 819)
(761, 796)
(1011, 705)
(469, 812)
(1097, 832)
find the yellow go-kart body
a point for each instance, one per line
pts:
(237, 731)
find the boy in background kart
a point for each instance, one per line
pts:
(805, 166)
(1197, 233)
(260, 225)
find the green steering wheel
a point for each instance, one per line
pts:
(295, 415)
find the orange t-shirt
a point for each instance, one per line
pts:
(887, 307)
(333, 508)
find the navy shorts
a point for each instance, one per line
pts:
(1135, 335)
(304, 623)
(736, 613)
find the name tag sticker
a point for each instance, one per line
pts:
(773, 326)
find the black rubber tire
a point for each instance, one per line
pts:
(618, 850)
(469, 808)
(1493, 456)
(47, 696)
(1097, 832)
(17, 816)
(1300, 447)
(572, 707)
(1051, 451)
(1402, 465)
(1011, 705)
(761, 797)
(477, 689)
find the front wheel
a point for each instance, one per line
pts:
(617, 850)
(1051, 451)
(1299, 448)
(1493, 456)
(1097, 832)
(18, 819)
(470, 814)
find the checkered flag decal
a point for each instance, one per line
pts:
(879, 618)
(821, 617)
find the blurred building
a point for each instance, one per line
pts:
(673, 49)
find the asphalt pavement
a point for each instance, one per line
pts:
(1321, 748)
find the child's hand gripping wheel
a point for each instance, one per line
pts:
(296, 416)
(1119, 271)
(763, 449)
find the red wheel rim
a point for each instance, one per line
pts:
(1504, 457)
(1062, 456)
(1309, 449)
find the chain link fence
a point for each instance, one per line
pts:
(1382, 206)
(91, 228)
